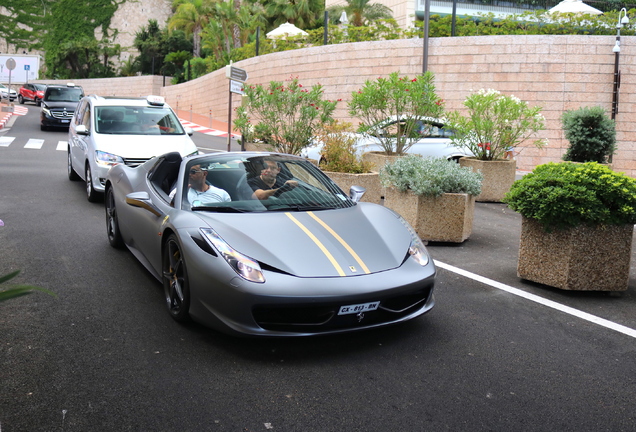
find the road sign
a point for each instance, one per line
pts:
(235, 73)
(236, 87)
(10, 63)
(27, 67)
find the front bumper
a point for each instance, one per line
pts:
(50, 121)
(289, 306)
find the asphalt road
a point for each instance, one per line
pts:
(105, 356)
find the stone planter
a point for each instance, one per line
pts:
(583, 258)
(446, 218)
(378, 159)
(370, 181)
(256, 146)
(499, 175)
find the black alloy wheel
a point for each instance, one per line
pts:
(175, 280)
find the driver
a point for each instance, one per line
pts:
(201, 191)
(268, 184)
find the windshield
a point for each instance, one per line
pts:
(427, 128)
(70, 94)
(232, 183)
(39, 86)
(137, 120)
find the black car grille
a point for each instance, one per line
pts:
(133, 162)
(325, 318)
(63, 114)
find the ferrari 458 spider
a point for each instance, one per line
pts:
(266, 244)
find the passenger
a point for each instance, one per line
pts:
(199, 191)
(268, 184)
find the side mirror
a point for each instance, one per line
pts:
(189, 131)
(356, 192)
(81, 130)
(142, 200)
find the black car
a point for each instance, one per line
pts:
(59, 104)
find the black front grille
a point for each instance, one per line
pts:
(325, 318)
(133, 162)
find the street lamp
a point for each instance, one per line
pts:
(617, 52)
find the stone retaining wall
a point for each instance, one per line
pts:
(556, 72)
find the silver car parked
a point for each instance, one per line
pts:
(435, 141)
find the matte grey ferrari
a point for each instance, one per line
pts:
(265, 244)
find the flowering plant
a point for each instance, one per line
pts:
(283, 115)
(566, 194)
(495, 124)
(398, 99)
(430, 176)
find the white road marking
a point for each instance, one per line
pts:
(62, 145)
(537, 299)
(34, 144)
(6, 141)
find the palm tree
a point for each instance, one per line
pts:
(360, 12)
(191, 16)
(302, 13)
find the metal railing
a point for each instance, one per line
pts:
(508, 5)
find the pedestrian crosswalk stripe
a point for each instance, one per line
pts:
(6, 141)
(20, 110)
(34, 143)
(62, 145)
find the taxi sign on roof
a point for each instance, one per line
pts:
(155, 100)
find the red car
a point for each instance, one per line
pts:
(32, 93)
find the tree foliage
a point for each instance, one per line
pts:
(23, 21)
(360, 12)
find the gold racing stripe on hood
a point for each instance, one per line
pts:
(342, 242)
(318, 243)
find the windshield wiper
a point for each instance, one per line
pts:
(300, 208)
(224, 209)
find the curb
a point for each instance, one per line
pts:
(5, 119)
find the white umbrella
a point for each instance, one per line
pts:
(574, 6)
(284, 30)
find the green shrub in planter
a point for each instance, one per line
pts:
(564, 195)
(591, 133)
(430, 176)
(339, 149)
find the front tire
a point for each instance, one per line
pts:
(112, 223)
(175, 280)
(91, 193)
(72, 175)
(20, 99)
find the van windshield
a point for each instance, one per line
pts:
(71, 94)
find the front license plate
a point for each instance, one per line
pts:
(352, 309)
(66, 121)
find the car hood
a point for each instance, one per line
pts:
(363, 239)
(144, 146)
(70, 106)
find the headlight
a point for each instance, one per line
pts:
(46, 111)
(417, 251)
(107, 159)
(245, 267)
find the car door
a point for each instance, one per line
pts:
(79, 144)
(147, 220)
